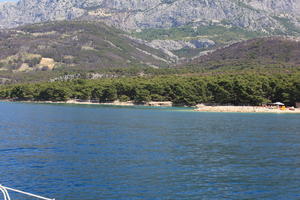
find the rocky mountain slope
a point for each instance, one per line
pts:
(72, 46)
(269, 16)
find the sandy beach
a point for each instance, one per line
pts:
(245, 109)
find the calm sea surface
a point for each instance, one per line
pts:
(93, 153)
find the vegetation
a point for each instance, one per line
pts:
(291, 28)
(218, 33)
(242, 89)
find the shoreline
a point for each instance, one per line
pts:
(115, 103)
(198, 108)
(245, 109)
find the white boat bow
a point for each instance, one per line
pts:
(6, 196)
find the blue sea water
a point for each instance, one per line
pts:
(95, 152)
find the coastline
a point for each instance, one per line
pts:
(245, 109)
(114, 103)
(198, 108)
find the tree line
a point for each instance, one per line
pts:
(242, 89)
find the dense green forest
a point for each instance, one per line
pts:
(238, 89)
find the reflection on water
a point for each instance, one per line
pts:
(95, 152)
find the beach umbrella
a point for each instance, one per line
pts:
(278, 104)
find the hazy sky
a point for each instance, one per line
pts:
(6, 0)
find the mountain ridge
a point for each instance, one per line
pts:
(254, 15)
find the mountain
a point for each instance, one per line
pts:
(49, 38)
(267, 16)
(64, 47)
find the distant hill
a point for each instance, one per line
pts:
(72, 46)
(270, 52)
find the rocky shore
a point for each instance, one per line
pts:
(127, 103)
(90, 102)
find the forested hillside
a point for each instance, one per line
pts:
(242, 89)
